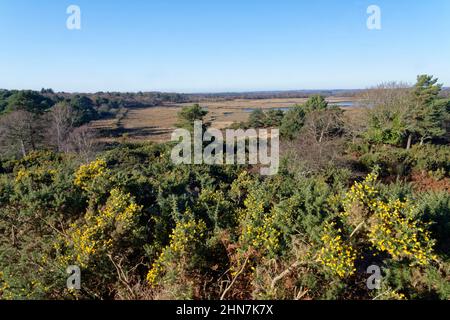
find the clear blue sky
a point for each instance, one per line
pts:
(220, 45)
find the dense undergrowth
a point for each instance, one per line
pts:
(140, 227)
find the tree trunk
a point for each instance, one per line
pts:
(22, 147)
(408, 145)
(422, 141)
(321, 136)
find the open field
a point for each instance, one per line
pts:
(157, 123)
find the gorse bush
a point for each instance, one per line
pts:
(140, 227)
(337, 255)
(391, 226)
(438, 161)
(434, 208)
(185, 239)
(96, 237)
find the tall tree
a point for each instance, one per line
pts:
(426, 115)
(257, 119)
(62, 120)
(292, 122)
(386, 106)
(83, 108)
(21, 131)
(294, 119)
(316, 102)
(188, 115)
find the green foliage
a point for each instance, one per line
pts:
(292, 122)
(294, 119)
(262, 119)
(386, 128)
(390, 161)
(4, 95)
(407, 116)
(400, 162)
(426, 89)
(274, 118)
(434, 208)
(426, 115)
(27, 100)
(402, 281)
(431, 158)
(188, 115)
(141, 227)
(84, 110)
(257, 119)
(315, 103)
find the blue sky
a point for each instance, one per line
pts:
(220, 45)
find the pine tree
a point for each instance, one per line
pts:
(425, 117)
(188, 115)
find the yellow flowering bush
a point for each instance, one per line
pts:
(37, 175)
(336, 254)
(362, 194)
(89, 172)
(259, 231)
(101, 229)
(387, 226)
(394, 231)
(241, 185)
(390, 225)
(216, 207)
(183, 240)
(393, 295)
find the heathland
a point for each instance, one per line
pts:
(359, 209)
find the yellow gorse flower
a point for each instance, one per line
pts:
(94, 236)
(183, 237)
(389, 227)
(336, 255)
(258, 226)
(89, 172)
(395, 232)
(39, 174)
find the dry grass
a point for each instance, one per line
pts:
(157, 123)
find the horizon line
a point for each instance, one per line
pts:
(195, 93)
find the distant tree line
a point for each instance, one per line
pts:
(30, 120)
(291, 94)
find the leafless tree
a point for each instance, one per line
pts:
(65, 136)
(82, 141)
(21, 131)
(321, 125)
(388, 93)
(355, 123)
(61, 126)
(320, 141)
(386, 103)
